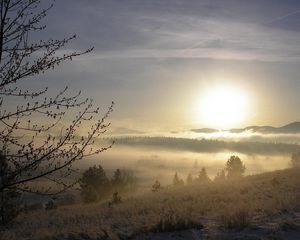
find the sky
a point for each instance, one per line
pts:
(158, 58)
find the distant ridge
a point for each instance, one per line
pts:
(293, 127)
(208, 145)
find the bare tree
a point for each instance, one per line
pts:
(33, 140)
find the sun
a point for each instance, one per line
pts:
(224, 107)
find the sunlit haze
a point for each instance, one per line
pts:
(224, 107)
(149, 119)
(159, 60)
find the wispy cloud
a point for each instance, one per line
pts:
(186, 29)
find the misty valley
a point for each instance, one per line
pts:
(149, 120)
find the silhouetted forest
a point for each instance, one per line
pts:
(208, 146)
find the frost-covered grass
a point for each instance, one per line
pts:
(227, 205)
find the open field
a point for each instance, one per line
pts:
(264, 206)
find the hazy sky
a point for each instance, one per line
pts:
(155, 58)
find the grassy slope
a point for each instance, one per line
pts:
(266, 200)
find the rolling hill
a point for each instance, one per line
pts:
(291, 128)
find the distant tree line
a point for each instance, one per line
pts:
(206, 145)
(96, 186)
(234, 170)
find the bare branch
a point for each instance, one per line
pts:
(29, 138)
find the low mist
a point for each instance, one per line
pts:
(151, 162)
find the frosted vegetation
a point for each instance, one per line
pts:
(266, 204)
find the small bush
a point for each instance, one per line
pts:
(238, 219)
(116, 199)
(156, 186)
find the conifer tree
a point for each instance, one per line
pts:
(189, 179)
(203, 177)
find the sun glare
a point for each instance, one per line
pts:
(224, 107)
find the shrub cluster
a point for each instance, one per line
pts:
(234, 169)
(96, 186)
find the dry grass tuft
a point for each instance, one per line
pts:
(173, 222)
(237, 219)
